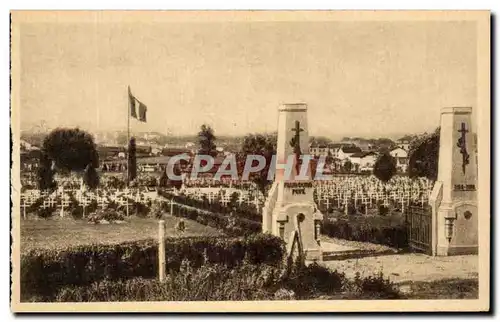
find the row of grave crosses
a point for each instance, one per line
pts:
(61, 199)
(369, 200)
(224, 196)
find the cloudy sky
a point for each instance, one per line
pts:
(358, 78)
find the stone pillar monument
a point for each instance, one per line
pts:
(290, 209)
(454, 196)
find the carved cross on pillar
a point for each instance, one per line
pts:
(463, 147)
(295, 143)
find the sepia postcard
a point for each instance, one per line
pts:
(250, 161)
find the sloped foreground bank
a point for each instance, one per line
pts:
(199, 268)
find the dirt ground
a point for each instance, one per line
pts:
(401, 268)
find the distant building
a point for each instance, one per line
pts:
(333, 148)
(401, 156)
(318, 149)
(363, 161)
(346, 152)
(404, 143)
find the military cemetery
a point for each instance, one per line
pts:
(293, 210)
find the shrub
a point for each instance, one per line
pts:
(46, 212)
(157, 210)
(35, 206)
(209, 283)
(373, 287)
(44, 271)
(106, 214)
(139, 209)
(313, 279)
(383, 210)
(232, 225)
(385, 167)
(243, 211)
(242, 283)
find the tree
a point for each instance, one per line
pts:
(385, 167)
(424, 156)
(348, 166)
(206, 140)
(384, 144)
(46, 174)
(90, 177)
(163, 181)
(329, 158)
(132, 161)
(233, 201)
(263, 145)
(320, 140)
(113, 182)
(70, 149)
(177, 184)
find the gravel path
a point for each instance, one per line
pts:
(402, 268)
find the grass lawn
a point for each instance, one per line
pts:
(445, 289)
(56, 233)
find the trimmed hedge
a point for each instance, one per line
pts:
(230, 224)
(43, 271)
(243, 211)
(393, 236)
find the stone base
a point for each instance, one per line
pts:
(313, 255)
(457, 250)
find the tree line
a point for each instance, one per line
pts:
(66, 150)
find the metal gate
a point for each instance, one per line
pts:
(419, 228)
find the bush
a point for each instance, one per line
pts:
(139, 209)
(313, 279)
(106, 214)
(46, 270)
(157, 210)
(373, 287)
(383, 210)
(215, 282)
(46, 212)
(209, 283)
(231, 225)
(385, 167)
(243, 211)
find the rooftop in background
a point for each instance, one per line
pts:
(363, 154)
(351, 149)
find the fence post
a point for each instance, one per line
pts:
(172, 207)
(162, 264)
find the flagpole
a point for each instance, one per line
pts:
(128, 136)
(128, 146)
